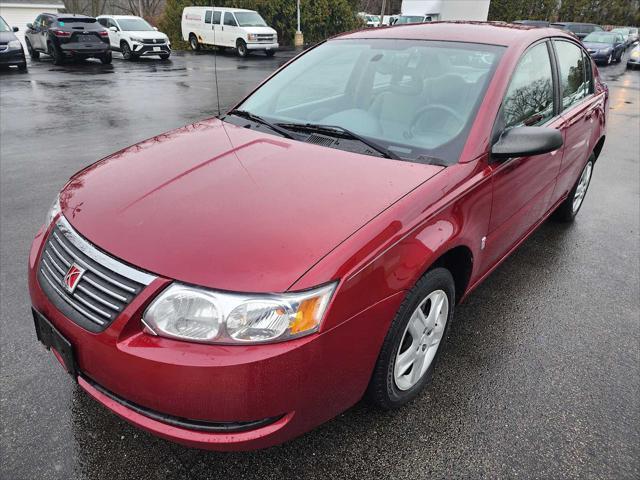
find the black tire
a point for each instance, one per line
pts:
(165, 56)
(241, 48)
(383, 390)
(106, 58)
(127, 54)
(22, 67)
(566, 212)
(193, 42)
(270, 53)
(35, 55)
(56, 54)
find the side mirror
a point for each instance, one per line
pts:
(155, 28)
(113, 29)
(30, 26)
(526, 141)
(15, 29)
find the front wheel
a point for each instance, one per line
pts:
(127, 54)
(414, 341)
(568, 209)
(241, 48)
(164, 56)
(34, 54)
(270, 53)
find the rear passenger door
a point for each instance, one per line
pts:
(581, 111)
(522, 186)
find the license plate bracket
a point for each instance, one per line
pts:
(157, 49)
(51, 338)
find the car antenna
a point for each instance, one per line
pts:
(215, 54)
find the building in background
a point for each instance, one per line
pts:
(477, 10)
(17, 13)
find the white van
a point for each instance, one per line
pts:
(243, 30)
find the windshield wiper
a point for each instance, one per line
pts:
(336, 129)
(258, 119)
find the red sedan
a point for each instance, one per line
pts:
(234, 283)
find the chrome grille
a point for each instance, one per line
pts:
(265, 37)
(103, 291)
(153, 41)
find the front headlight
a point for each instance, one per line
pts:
(635, 54)
(199, 315)
(14, 45)
(252, 37)
(53, 212)
(136, 39)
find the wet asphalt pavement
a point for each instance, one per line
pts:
(540, 378)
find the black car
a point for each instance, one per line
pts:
(11, 51)
(533, 23)
(580, 30)
(65, 36)
(605, 47)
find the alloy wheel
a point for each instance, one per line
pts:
(583, 184)
(421, 339)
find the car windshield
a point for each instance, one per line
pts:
(3, 26)
(134, 25)
(416, 99)
(599, 37)
(250, 19)
(410, 19)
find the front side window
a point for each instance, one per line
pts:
(416, 98)
(529, 99)
(229, 20)
(573, 73)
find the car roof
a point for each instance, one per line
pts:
(119, 16)
(222, 9)
(575, 23)
(493, 33)
(68, 15)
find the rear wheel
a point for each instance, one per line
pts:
(35, 55)
(193, 42)
(241, 48)
(106, 58)
(56, 54)
(568, 209)
(270, 53)
(414, 341)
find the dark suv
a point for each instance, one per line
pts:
(67, 36)
(580, 30)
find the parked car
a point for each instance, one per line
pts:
(134, 37)
(580, 30)
(64, 35)
(234, 283)
(633, 32)
(629, 37)
(243, 30)
(406, 19)
(605, 47)
(371, 21)
(532, 23)
(634, 57)
(11, 51)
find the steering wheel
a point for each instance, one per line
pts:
(435, 127)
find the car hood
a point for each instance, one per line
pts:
(597, 45)
(227, 207)
(6, 37)
(148, 34)
(262, 30)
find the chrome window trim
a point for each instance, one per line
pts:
(108, 262)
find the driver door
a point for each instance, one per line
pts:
(523, 186)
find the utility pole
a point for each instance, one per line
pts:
(384, 7)
(299, 38)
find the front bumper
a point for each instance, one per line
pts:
(143, 49)
(262, 46)
(12, 57)
(600, 56)
(297, 385)
(633, 62)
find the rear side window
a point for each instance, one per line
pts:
(573, 73)
(529, 99)
(103, 22)
(207, 16)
